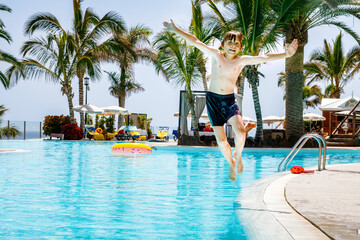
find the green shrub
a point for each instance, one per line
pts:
(54, 124)
(109, 122)
(102, 122)
(96, 121)
(142, 121)
(149, 132)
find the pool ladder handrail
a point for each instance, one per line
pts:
(299, 144)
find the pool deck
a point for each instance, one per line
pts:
(320, 205)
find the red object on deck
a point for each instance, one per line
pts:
(300, 169)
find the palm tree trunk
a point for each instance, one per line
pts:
(70, 103)
(259, 123)
(194, 122)
(294, 126)
(203, 75)
(240, 82)
(121, 119)
(81, 100)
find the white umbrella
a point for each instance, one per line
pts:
(247, 119)
(272, 119)
(115, 110)
(88, 108)
(308, 117)
(313, 117)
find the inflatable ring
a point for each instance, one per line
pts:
(99, 130)
(131, 148)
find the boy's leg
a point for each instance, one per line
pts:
(225, 150)
(240, 136)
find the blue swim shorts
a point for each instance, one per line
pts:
(221, 108)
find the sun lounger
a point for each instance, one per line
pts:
(59, 136)
(163, 133)
(97, 136)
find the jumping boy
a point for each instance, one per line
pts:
(226, 66)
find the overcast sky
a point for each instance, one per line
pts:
(32, 100)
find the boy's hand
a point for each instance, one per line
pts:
(170, 26)
(291, 50)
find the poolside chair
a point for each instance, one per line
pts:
(123, 135)
(97, 136)
(87, 130)
(136, 134)
(163, 133)
(175, 135)
(110, 136)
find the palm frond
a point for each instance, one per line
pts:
(45, 21)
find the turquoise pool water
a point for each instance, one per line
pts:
(68, 190)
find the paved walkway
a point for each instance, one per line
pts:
(329, 199)
(321, 205)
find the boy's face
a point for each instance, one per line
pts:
(232, 47)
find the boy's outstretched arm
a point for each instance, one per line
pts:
(190, 39)
(289, 51)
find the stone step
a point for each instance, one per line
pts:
(340, 140)
(342, 136)
(341, 144)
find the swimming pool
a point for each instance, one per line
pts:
(64, 189)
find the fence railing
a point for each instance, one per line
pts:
(27, 129)
(33, 130)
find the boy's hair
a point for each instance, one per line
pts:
(232, 35)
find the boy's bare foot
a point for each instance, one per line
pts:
(232, 172)
(238, 163)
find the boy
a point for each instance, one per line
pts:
(220, 99)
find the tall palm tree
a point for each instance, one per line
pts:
(6, 57)
(126, 49)
(333, 65)
(259, 26)
(205, 33)
(314, 14)
(179, 63)
(52, 58)
(7, 131)
(122, 87)
(90, 31)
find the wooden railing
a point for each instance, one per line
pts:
(345, 118)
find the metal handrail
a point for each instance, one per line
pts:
(299, 144)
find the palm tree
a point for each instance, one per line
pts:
(179, 62)
(331, 64)
(205, 33)
(7, 131)
(256, 22)
(89, 32)
(52, 58)
(6, 57)
(126, 49)
(314, 14)
(122, 87)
